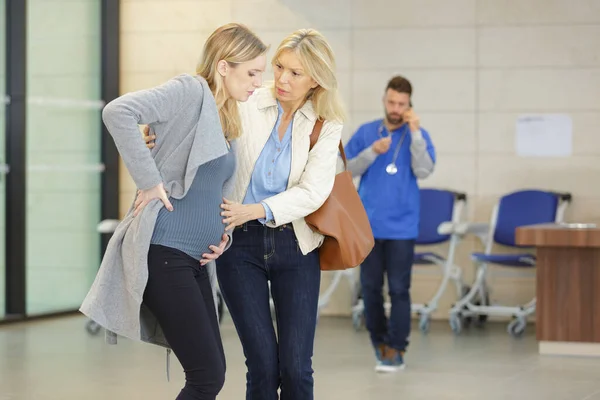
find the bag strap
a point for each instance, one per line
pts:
(314, 136)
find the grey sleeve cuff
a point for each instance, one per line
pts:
(359, 164)
(418, 135)
(421, 162)
(230, 234)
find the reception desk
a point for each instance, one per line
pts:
(568, 287)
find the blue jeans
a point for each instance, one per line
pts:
(396, 258)
(258, 255)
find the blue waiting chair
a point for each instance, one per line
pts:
(520, 208)
(439, 208)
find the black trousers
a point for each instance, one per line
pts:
(180, 296)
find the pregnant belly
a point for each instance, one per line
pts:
(211, 229)
(190, 228)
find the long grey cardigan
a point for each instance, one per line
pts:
(184, 115)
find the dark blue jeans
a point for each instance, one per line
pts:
(396, 258)
(284, 361)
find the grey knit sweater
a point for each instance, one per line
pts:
(184, 115)
(196, 222)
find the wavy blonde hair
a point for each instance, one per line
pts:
(317, 58)
(234, 43)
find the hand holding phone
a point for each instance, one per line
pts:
(412, 119)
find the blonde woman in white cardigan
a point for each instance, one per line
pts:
(278, 183)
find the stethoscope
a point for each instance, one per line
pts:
(391, 168)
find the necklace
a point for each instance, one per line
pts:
(391, 168)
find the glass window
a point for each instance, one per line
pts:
(63, 152)
(3, 100)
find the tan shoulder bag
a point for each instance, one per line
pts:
(342, 219)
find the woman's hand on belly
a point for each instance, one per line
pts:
(216, 251)
(237, 214)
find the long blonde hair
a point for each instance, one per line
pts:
(317, 58)
(234, 43)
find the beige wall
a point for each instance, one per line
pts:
(475, 66)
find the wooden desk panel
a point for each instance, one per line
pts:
(568, 287)
(568, 294)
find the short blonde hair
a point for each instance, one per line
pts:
(317, 58)
(234, 43)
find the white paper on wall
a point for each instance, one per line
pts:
(544, 135)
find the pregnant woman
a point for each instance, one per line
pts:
(154, 284)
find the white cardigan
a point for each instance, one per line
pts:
(311, 175)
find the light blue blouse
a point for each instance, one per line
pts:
(272, 169)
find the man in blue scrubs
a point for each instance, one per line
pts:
(389, 155)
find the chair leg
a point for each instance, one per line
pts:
(432, 305)
(457, 279)
(425, 310)
(358, 307)
(529, 308)
(517, 326)
(325, 297)
(464, 307)
(449, 272)
(477, 288)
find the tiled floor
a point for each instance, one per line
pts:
(58, 360)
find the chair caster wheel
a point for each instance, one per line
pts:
(516, 328)
(424, 323)
(456, 323)
(358, 320)
(92, 328)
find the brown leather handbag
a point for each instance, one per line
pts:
(342, 219)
